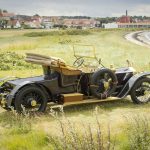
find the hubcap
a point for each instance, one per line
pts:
(106, 85)
(33, 103)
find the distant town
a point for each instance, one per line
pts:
(10, 20)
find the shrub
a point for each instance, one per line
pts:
(12, 60)
(61, 32)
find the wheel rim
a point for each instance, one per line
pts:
(32, 101)
(143, 92)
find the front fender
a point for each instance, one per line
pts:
(11, 95)
(128, 86)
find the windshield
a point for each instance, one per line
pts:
(85, 51)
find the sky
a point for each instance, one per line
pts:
(93, 8)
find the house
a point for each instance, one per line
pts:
(32, 24)
(6, 15)
(84, 23)
(36, 18)
(23, 18)
(50, 22)
(14, 24)
(47, 22)
(125, 19)
(113, 25)
(134, 25)
(128, 22)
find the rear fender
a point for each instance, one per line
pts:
(128, 86)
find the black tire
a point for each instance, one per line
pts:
(134, 91)
(94, 80)
(27, 93)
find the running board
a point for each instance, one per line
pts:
(87, 101)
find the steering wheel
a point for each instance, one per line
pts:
(78, 62)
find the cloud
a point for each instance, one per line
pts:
(99, 8)
(143, 10)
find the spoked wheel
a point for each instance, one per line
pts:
(30, 98)
(140, 92)
(103, 83)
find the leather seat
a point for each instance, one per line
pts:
(65, 69)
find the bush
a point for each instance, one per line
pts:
(61, 32)
(12, 60)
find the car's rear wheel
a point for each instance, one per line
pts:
(31, 98)
(103, 83)
(140, 92)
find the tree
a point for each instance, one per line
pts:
(3, 24)
(5, 11)
(37, 15)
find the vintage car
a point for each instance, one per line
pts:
(61, 83)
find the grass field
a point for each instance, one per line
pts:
(117, 119)
(110, 46)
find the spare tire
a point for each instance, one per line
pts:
(103, 83)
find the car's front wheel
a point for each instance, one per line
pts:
(30, 98)
(140, 92)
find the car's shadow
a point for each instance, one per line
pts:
(5, 116)
(105, 105)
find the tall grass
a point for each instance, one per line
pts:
(81, 139)
(139, 133)
(19, 46)
(135, 136)
(81, 136)
(34, 140)
(19, 133)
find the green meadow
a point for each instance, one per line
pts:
(119, 125)
(110, 46)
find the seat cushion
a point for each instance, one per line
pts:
(67, 70)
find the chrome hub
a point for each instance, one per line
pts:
(33, 103)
